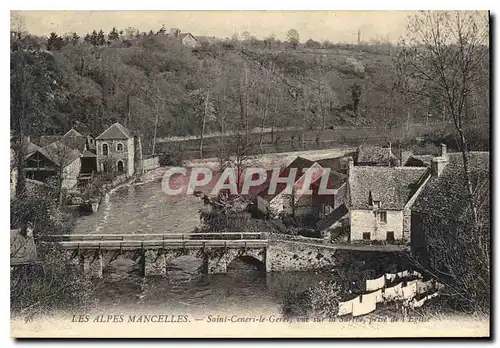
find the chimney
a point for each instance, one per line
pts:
(175, 32)
(350, 166)
(444, 152)
(439, 163)
(389, 146)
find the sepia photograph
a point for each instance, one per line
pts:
(250, 174)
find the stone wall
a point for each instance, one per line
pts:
(150, 163)
(367, 221)
(296, 256)
(126, 155)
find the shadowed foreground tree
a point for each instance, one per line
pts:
(443, 54)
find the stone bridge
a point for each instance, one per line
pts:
(152, 252)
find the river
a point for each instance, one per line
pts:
(144, 208)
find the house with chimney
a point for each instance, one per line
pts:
(187, 39)
(441, 212)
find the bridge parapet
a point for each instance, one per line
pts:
(151, 256)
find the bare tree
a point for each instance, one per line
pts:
(442, 55)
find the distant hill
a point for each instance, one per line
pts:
(152, 79)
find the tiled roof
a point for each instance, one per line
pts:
(375, 154)
(48, 139)
(300, 163)
(59, 153)
(392, 186)
(419, 160)
(115, 131)
(445, 195)
(72, 132)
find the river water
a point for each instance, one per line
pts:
(144, 208)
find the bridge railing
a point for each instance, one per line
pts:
(157, 236)
(161, 244)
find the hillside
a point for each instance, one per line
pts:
(152, 79)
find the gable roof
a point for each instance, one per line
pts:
(300, 163)
(115, 131)
(73, 132)
(184, 35)
(48, 139)
(375, 154)
(444, 195)
(59, 153)
(392, 186)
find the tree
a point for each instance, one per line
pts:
(443, 54)
(100, 39)
(356, 98)
(31, 99)
(75, 38)
(293, 38)
(113, 35)
(313, 44)
(246, 36)
(54, 42)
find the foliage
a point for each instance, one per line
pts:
(40, 206)
(52, 283)
(118, 76)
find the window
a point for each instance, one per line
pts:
(366, 235)
(390, 236)
(383, 216)
(120, 166)
(104, 149)
(376, 204)
(119, 147)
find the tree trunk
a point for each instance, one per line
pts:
(128, 110)
(156, 126)
(470, 191)
(265, 114)
(204, 122)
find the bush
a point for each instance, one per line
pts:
(50, 286)
(52, 283)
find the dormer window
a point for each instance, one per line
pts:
(376, 204)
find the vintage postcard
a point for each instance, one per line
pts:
(250, 174)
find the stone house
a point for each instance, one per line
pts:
(116, 151)
(380, 201)
(440, 211)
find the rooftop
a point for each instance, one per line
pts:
(115, 131)
(375, 154)
(445, 195)
(392, 186)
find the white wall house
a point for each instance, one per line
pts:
(380, 201)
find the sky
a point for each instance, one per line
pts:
(336, 26)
